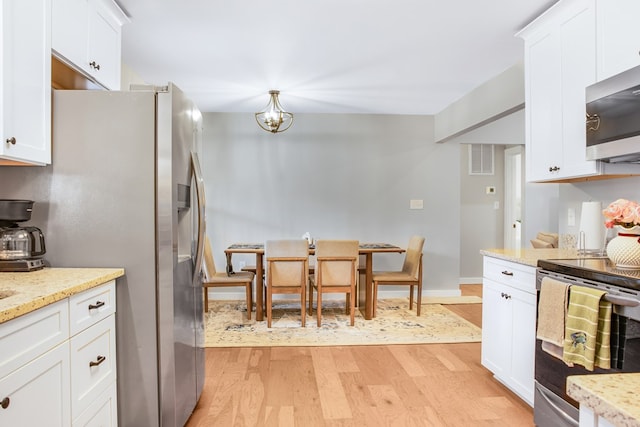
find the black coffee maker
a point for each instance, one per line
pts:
(21, 248)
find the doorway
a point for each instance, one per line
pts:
(513, 196)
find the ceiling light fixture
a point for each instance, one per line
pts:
(273, 118)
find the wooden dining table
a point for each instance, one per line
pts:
(365, 296)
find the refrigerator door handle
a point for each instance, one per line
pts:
(197, 175)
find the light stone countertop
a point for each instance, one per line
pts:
(530, 256)
(613, 397)
(24, 292)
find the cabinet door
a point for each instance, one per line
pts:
(618, 36)
(69, 30)
(544, 108)
(496, 329)
(26, 81)
(38, 393)
(523, 341)
(104, 45)
(578, 40)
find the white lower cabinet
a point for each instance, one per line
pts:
(508, 324)
(37, 394)
(51, 377)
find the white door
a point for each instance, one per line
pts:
(513, 196)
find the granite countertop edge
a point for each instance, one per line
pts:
(530, 256)
(610, 396)
(29, 291)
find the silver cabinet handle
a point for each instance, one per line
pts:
(95, 66)
(507, 273)
(11, 140)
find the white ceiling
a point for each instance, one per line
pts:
(329, 56)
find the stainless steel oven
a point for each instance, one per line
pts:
(552, 406)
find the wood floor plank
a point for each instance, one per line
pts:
(332, 396)
(410, 365)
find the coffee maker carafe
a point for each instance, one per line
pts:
(21, 248)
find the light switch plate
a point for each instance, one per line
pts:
(416, 204)
(571, 217)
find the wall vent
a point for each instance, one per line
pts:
(480, 159)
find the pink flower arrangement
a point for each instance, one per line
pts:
(622, 212)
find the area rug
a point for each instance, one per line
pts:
(226, 325)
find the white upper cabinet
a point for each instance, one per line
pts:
(25, 88)
(618, 35)
(86, 35)
(560, 62)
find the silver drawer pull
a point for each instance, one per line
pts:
(11, 140)
(98, 361)
(98, 304)
(507, 273)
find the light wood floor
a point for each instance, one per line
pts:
(399, 385)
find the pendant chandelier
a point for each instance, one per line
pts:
(273, 118)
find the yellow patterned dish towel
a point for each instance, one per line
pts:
(588, 329)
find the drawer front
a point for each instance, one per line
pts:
(89, 307)
(519, 276)
(93, 362)
(27, 337)
(103, 412)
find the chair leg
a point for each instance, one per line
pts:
(206, 299)
(347, 303)
(249, 302)
(419, 298)
(410, 297)
(303, 309)
(375, 298)
(352, 307)
(310, 299)
(269, 297)
(319, 308)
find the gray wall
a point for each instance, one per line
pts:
(335, 176)
(481, 225)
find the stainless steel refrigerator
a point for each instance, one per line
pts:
(126, 191)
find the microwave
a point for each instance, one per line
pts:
(613, 118)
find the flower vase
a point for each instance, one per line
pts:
(624, 249)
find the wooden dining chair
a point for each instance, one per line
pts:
(410, 275)
(214, 279)
(336, 270)
(287, 272)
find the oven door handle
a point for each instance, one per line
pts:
(627, 302)
(556, 408)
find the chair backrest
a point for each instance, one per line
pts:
(337, 261)
(287, 262)
(208, 263)
(413, 257)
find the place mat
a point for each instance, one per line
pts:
(226, 325)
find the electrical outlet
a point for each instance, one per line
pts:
(496, 205)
